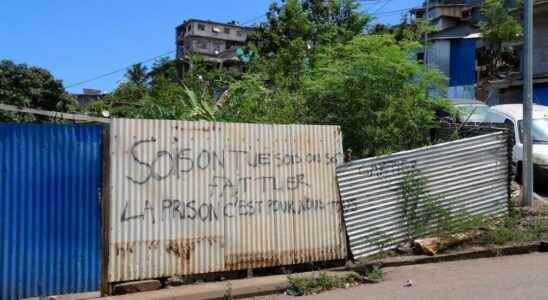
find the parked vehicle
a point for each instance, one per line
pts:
(467, 111)
(512, 114)
(470, 110)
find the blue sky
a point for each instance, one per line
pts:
(80, 39)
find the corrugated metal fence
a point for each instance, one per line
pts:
(50, 179)
(469, 175)
(198, 197)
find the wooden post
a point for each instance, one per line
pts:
(105, 214)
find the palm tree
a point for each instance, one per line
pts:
(138, 74)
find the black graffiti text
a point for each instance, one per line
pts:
(167, 163)
(173, 209)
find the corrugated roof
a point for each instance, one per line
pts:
(457, 32)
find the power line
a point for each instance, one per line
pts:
(118, 70)
(391, 12)
(143, 62)
(254, 19)
(386, 2)
(376, 12)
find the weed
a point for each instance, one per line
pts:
(517, 230)
(375, 274)
(372, 272)
(308, 285)
(425, 214)
(228, 292)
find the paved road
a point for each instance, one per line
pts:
(510, 277)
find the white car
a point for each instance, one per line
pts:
(470, 110)
(513, 114)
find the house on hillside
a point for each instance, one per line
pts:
(88, 96)
(217, 43)
(452, 47)
(510, 90)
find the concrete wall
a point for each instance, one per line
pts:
(453, 11)
(214, 30)
(208, 38)
(204, 45)
(444, 23)
(438, 55)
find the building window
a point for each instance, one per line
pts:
(227, 30)
(188, 28)
(217, 48)
(202, 45)
(420, 58)
(239, 33)
(201, 27)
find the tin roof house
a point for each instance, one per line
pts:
(216, 42)
(452, 47)
(453, 50)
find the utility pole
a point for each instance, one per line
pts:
(528, 105)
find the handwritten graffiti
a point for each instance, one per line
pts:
(389, 168)
(274, 179)
(171, 209)
(221, 185)
(186, 160)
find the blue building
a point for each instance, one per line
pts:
(452, 48)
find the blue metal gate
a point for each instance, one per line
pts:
(50, 180)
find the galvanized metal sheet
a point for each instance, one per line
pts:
(199, 197)
(50, 180)
(469, 175)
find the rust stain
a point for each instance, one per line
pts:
(183, 249)
(196, 129)
(253, 260)
(275, 258)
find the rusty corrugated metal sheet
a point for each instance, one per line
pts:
(469, 175)
(199, 197)
(50, 180)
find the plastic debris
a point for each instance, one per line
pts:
(408, 283)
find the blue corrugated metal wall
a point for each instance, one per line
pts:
(462, 69)
(541, 93)
(50, 179)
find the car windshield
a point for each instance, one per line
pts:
(539, 130)
(472, 112)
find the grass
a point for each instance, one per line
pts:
(515, 229)
(375, 274)
(311, 285)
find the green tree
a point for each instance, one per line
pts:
(166, 68)
(162, 97)
(368, 84)
(312, 63)
(375, 92)
(499, 27)
(31, 87)
(286, 43)
(138, 75)
(253, 100)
